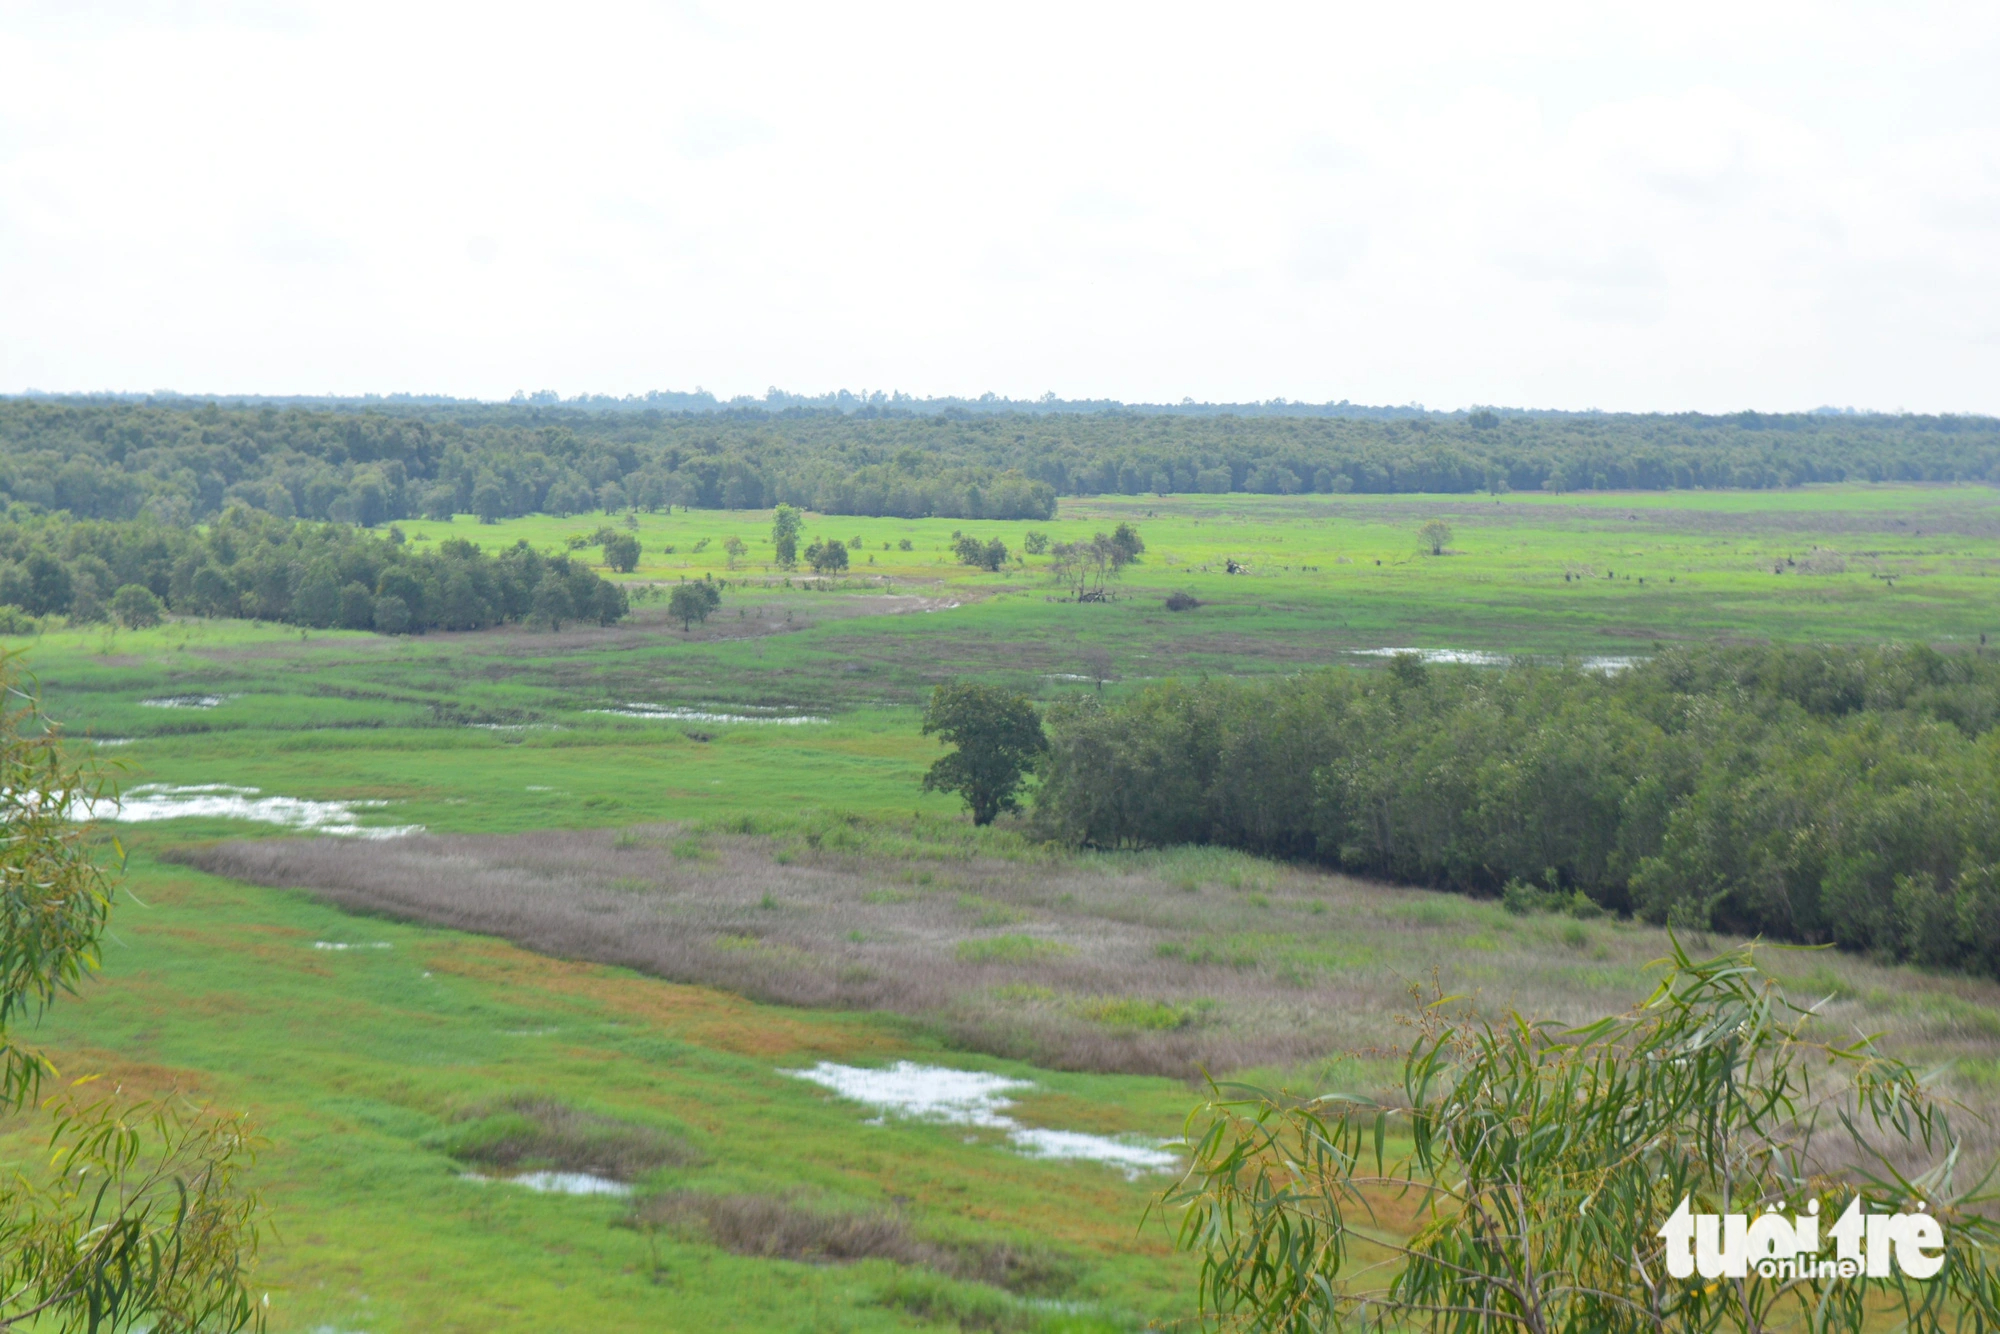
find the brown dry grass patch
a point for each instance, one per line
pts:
(112, 1074)
(770, 1228)
(1163, 963)
(702, 1015)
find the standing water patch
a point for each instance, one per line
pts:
(973, 1098)
(1474, 657)
(556, 1183)
(662, 714)
(1470, 657)
(149, 802)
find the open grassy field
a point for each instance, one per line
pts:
(749, 882)
(1590, 576)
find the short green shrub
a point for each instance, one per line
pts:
(1011, 949)
(990, 912)
(1151, 1016)
(1521, 898)
(1207, 952)
(971, 1306)
(530, 1133)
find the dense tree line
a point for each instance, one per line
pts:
(1811, 794)
(257, 566)
(181, 461)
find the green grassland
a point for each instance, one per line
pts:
(353, 1061)
(1646, 566)
(351, 1058)
(1893, 563)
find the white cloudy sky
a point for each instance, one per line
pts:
(1649, 206)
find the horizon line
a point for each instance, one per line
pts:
(700, 400)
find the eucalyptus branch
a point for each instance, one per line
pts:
(1545, 1159)
(140, 1213)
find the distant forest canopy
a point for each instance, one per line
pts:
(258, 567)
(182, 461)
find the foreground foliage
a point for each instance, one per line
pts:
(1825, 795)
(1543, 1161)
(140, 1212)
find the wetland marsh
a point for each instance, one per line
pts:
(636, 900)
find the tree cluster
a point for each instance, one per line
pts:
(827, 555)
(1813, 794)
(989, 555)
(183, 461)
(255, 566)
(1085, 567)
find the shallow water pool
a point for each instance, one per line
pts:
(974, 1098)
(661, 713)
(149, 802)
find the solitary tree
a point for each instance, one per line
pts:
(827, 557)
(621, 552)
(1549, 1177)
(1096, 662)
(608, 603)
(1125, 538)
(691, 602)
(139, 1218)
(785, 535)
(732, 549)
(1436, 534)
(136, 607)
(997, 736)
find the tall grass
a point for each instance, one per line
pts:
(818, 1233)
(1174, 961)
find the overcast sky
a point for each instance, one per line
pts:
(1657, 206)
